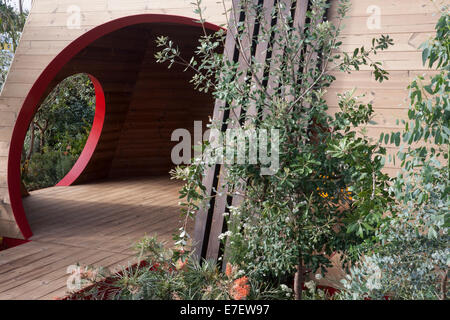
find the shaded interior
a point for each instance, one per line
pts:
(145, 101)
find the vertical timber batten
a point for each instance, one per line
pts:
(210, 222)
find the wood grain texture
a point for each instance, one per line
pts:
(93, 224)
(409, 24)
(115, 58)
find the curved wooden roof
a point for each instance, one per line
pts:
(51, 27)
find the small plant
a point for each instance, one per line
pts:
(412, 258)
(171, 275)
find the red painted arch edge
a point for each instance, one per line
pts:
(94, 136)
(36, 92)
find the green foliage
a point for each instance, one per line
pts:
(58, 132)
(193, 191)
(329, 194)
(47, 168)
(11, 25)
(412, 258)
(167, 274)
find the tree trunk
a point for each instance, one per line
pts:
(41, 136)
(444, 286)
(32, 138)
(298, 280)
(41, 143)
(20, 7)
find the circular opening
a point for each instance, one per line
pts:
(58, 132)
(89, 50)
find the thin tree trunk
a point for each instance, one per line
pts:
(444, 286)
(299, 279)
(42, 137)
(32, 138)
(20, 7)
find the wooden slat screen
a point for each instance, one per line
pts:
(210, 221)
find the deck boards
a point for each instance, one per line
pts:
(91, 224)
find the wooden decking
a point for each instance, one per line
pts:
(92, 224)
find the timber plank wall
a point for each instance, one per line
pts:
(46, 34)
(409, 23)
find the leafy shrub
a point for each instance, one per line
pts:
(329, 193)
(47, 168)
(168, 274)
(412, 258)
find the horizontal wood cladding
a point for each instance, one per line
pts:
(61, 6)
(409, 24)
(163, 100)
(362, 8)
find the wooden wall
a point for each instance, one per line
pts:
(409, 23)
(163, 100)
(48, 30)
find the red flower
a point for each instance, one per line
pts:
(240, 289)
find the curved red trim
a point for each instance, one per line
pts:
(94, 136)
(33, 98)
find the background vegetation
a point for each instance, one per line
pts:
(58, 132)
(11, 26)
(62, 124)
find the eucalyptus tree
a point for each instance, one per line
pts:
(412, 258)
(329, 194)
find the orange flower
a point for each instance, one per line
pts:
(229, 270)
(241, 281)
(240, 289)
(180, 265)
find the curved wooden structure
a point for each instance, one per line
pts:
(144, 102)
(139, 103)
(113, 40)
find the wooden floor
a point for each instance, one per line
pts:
(93, 224)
